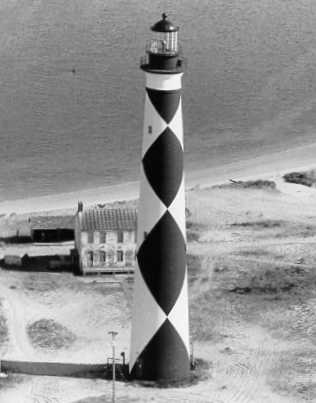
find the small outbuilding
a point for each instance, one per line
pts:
(47, 229)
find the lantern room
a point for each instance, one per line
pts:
(162, 51)
(165, 40)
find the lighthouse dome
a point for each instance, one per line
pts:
(164, 25)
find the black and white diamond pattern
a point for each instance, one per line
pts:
(163, 166)
(160, 336)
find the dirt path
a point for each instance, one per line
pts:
(14, 308)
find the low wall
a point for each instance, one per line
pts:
(103, 371)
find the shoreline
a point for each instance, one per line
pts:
(263, 167)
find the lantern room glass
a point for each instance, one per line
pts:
(164, 43)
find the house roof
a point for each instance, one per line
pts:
(108, 219)
(53, 222)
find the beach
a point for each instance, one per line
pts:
(271, 165)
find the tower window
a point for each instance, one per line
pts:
(150, 129)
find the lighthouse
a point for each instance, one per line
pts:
(159, 348)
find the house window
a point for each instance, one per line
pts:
(102, 237)
(90, 237)
(150, 129)
(129, 236)
(96, 237)
(89, 259)
(120, 256)
(119, 236)
(102, 257)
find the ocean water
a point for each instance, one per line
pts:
(71, 91)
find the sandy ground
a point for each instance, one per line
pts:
(252, 283)
(87, 308)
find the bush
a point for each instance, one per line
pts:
(46, 333)
(255, 184)
(307, 178)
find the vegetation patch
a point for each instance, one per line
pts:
(293, 375)
(3, 330)
(209, 309)
(194, 231)
(255, 184)
(4, 336)
(255, 253)
(274, 280)
(262, 224)
(281, 228)
(38, 283)
(277, 297)
(307, 178)
(194, 263)
(48, 334)
(44, 283)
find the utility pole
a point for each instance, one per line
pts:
(113, 334)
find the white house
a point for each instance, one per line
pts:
(105, 239)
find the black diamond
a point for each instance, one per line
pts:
(164, 358)
(163, 165)
(165, 102)
(162, 261)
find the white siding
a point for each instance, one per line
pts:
(84, 238)
(111, 237)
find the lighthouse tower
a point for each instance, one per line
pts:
(160, 329)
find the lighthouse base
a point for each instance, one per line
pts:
(165, 358)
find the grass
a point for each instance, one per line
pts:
(48, 334)
(194, 264)
(293, 375)
(263, 278)
(194, 230)
(3, 328)
(262, 224)
(44, 283)
(246, 292)
(282, 228)
(256, 253)
(40, 283)
(306, 178)
(251, 184)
